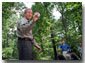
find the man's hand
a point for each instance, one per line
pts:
(68, 51)
(38, 47)
(59, 50)
(36, 16)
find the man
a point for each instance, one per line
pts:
(24, 33)
(80, 49)
(65, 49)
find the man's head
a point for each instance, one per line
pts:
(80, 45)
(28, 14)
(63, 41)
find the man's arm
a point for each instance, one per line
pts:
(36, 45)
(28, 26)
(68, 48)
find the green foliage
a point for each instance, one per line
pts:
(7, 53)
(9, 19)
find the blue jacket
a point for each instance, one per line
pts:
(64, 47)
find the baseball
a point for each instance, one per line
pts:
(38, 15)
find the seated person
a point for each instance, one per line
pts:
(65, 49)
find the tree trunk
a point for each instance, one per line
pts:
(64, 23)
(53, 42)
(7, 40)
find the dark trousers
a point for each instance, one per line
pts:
(24, 49)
